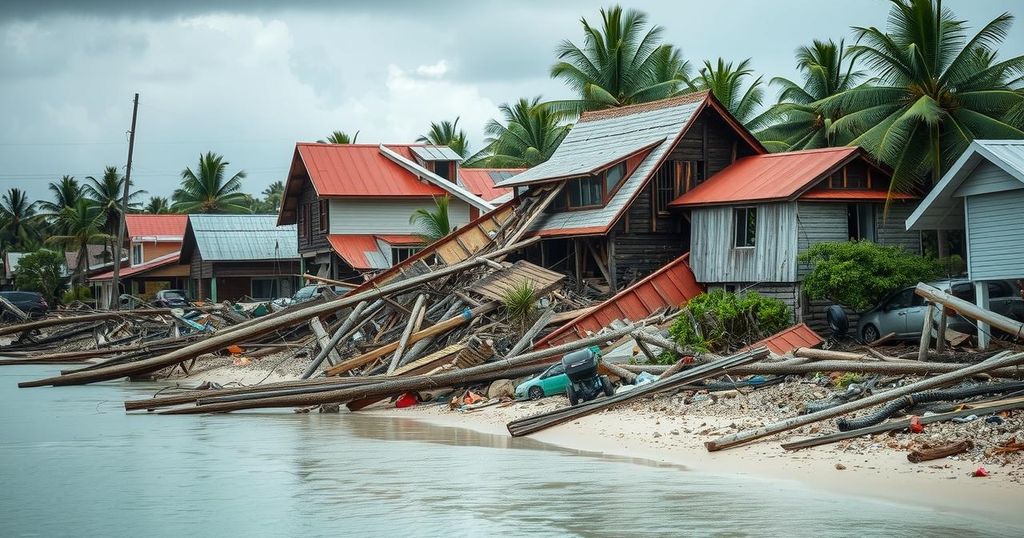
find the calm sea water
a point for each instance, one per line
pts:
(73, 464)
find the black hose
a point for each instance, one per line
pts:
(906, 402)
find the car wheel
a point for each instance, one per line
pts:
(535, 393)
(870, 334)
(570, 392)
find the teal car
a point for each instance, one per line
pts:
(550, 382)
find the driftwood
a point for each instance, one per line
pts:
(746, 436)
(918, 455)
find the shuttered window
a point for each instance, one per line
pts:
(323, 215)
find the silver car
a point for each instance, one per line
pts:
(903, 311)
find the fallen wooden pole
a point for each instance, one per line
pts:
(410, 326)
(729, 441)
(95, 316)
(528, 336)
(918, 455)
(218, 341)
(865, 367)
(971, 310)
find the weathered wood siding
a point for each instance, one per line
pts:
(891, 226)
(638, 250)
(387, 216)
(714, 258)
(995, 235)
(817, 223)
(309, 209)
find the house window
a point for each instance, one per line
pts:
(443, 169)
(591, 191)
(613, 177)
(303, 217)
(400, 254)
(746, 226)
(585, 192)
(322, 206)
(136, 254)
(673, 179)
(264, 288)
(860, 222)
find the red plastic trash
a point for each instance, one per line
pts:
(915, 424)
(406, 400)
(980, 472)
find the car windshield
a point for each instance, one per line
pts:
(304, 293)
(173, 294)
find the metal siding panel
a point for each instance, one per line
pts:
(995, 235)
(386, 215)
(986, 178)
(244, 237)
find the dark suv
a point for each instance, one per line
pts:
(30, 302)
(171, 299)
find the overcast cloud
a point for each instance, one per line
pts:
(249, 79)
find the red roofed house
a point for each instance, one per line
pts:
(153, 243)
(352, 202)
(749, 222)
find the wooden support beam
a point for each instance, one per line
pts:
(417, 312)
(527, 339)
(324, 340)
(926, 333)
(940, 337)
(972, 311)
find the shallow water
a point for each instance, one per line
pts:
(73, 463)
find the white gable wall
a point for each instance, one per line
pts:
(387, 216)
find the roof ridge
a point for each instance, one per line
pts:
(637, 108)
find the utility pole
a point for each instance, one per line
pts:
(115, 298)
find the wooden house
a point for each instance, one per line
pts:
(750, 222)
(617, 171)
(982, 194)
(235, 257)
(351, 203)
(152, 244)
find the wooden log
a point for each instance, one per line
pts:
(323, 340)
(970, 310)
(93, 316)
(881, 340)
(219, 341)
(528, 336)
(417, 311)
(926, 333)
(417, 349)
(825, 354)
(940, 337)
(746, 436)
(910, 367)
(918, 455)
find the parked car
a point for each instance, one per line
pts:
(313, 291)
(30, 302)
(171, 299)
(550, 382)
(903, 311)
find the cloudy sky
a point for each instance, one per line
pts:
(248, 79)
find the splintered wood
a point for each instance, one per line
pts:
(498, 284)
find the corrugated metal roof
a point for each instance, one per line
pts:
(671, 286)
(436, 153)
(242, 238)
(481, 181)
(155, 263)
(164, 227)
(582, 161)
(401, 239)
(941, 210)
(448, 186)
(359, 170)
(782, 342)
(772, 176)
(360, 251)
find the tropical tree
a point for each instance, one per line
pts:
(620, 63)
(272, 195)
(798, 120)
(66, 193)
(727, 83)
(18, 227)
(447, 133)
(157, 205)
(434, 224)
(42, 271)
(339, 137)
(80, 225)
(530, 134)
(936, 90)
(107, 193)
(205, 190)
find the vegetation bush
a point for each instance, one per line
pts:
(720, 321)
(78, 293)
(520, 304)
(42, 271)
(858, 274)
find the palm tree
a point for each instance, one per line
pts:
(433, 224)
(107, 193)
(18, 227)
(66, 193)
(339, 137)
(797, 121)
(447, 133)
(81, 225)
(529, 136)
(726, 83)
(157, 205)
(272, 195)
(935, 91)
(206, 191)
(618, 64)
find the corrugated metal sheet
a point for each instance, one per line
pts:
(452, 188)
(671, 286)
(360, 170)
(783, 342)
(243, 237)
(1009, 152)
(155, 226)
(584, 160)
(436, 153)
(481, 181)
(397, 239)
(155, 263)
(773, 258)
(769, 177)
(360, 251)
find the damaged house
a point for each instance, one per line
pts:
(351, 203)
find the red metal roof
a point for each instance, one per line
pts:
(399, 239)
(155, 263)
(855, 194)
(353, 248)
(671, 286)
(480, 182)
(360, 170)
(782, 342)
(772, 176)
(156, 226)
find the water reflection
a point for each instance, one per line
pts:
(72, 463)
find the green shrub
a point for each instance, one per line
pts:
(79, 293)
(719, 321)
(858, 274)
(41, 271)
(520, 304)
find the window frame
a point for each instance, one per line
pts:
(400, 253)
(563, 202)
(141, 254)
(274, 287)
(749, 239)
(684, 176)
(324, 213)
